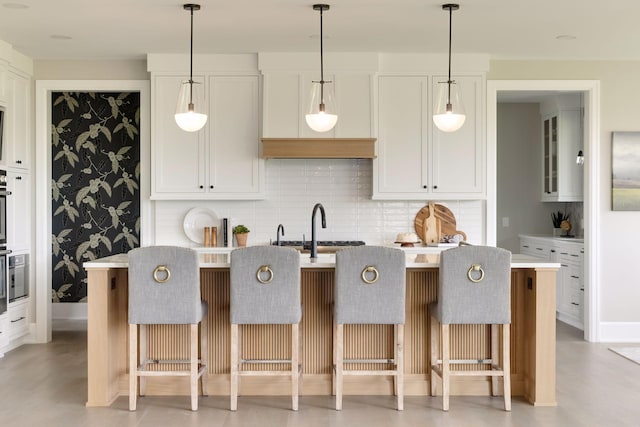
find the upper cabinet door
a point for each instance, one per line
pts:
(400, 170)
(18, 122)
(178, 157)
(458, 157)
(234, 140)
(281, 98)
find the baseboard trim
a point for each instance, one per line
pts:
(628, 332)
(69, 316)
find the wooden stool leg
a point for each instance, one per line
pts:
(335, 358)
(295, 357)
(435, 338)
(339, 365)
(495, 345)
(204, 355)
(193, 365)
(400, 366)
(133, 366)
(234, 368)
(506, 365)
(446, 377)
(143, 355)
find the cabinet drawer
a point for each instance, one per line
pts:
(4, 335)
(18, 320)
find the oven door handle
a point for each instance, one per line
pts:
(5, 252)
(5, 193)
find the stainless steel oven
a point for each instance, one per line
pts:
(4, 255)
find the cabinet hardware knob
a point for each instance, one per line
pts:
(424, 186)
(19, 178)
(19, 162)
(202, 186)
(211, 186)
(435, 187)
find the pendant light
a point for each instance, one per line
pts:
(189, 115)
(449, 114)
(321, 115)
(580, 158)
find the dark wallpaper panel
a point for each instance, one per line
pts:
(95, 179)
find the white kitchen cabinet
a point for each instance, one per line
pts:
(286, 101)
(221, 161)
(415, 159)
(570, 305)
(18, 123)
(18, 211)
(18, 316)
(569, 279)
(562, 178)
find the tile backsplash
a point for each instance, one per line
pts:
(293, 187)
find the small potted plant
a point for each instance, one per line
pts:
(560, 221)
(241, 232)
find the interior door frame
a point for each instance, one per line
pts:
(591, 89)
(42, 177)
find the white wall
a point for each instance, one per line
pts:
(295, 186)
(619, 231)
(90, 70)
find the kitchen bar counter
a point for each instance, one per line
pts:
(532, 345)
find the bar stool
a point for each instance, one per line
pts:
(164, 289)
(474, 288)
(370, 289)
(265, 289)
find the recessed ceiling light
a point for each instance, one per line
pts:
(60, 37)
(565, 37)
(15, 6)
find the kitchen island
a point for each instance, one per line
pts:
(532, 338)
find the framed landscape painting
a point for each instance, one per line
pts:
(625, 166)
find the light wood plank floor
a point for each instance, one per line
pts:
(45, 385)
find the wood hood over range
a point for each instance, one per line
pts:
(318, 148)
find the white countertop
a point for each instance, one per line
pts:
(221, 260)
(576, 240)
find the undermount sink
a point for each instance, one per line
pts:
(324, 246)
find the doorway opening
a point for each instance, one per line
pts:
(526, 102)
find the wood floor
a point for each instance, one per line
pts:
(45, 385)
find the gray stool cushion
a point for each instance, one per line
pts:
(175, 302)
(277, 302)
(461, 301)
(382, 302)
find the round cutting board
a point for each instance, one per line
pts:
(443, 222)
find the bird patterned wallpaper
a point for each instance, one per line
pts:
(95, 180)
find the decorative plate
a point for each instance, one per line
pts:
(195, 220)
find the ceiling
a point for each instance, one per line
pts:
(128, 29)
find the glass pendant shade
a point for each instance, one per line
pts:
(449, 113)
(321, 115)
(189, 115)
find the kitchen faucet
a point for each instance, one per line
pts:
(280, 228)
(314, 241)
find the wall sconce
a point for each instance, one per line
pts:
(580, 158)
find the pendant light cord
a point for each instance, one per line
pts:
(449, 80)
(321, 65)
(191, 66)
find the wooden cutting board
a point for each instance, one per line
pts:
(430, 228)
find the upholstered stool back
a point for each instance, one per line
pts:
(164, 286)
(265, 285)
(380, 302)
(474, 286)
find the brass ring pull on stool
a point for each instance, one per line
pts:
(164, 269)
(264, 269)
(475, 267)
(370, 269)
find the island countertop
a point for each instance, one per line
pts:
(413, 260)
